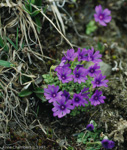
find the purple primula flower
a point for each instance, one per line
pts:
(64, 58)
(90, 127)
(78, 100)
(102, 16)
(70, 55)
(62, 65)
(108, 144)
(80, 75)
(99, 81)
(84, 94)
(66, 94)
(51, 93)
(105, 143)
(82, 55)
(64, 75)
(111, 144)
(93, 70)
(62, 107)
(96, 98)
(94, 57)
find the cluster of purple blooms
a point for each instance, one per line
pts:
(62, 101)
(107, 144)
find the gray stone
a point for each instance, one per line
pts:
(106, 69)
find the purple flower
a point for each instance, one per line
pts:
(102, 16)
(84, 94)
(82, 55)
(99, 81)
(93, 70)
(108, 144)
(64, 58)
(111, 144)
(96, 98)
(105, 143)
(90, 127)
(94, 57)
(78, 100)
(70, 55)
(62, 65)
(66, 94)
(64, 75)
(62, 107)
(80, 75)
(51, 93)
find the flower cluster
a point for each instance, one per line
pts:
(108, 144)
(72, 70)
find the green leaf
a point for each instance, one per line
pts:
(25, 93)
(31, 1)
(38, 22)
(6, 63)
(1, 94)
(39, 90)
(100, 47)
(36, 12)
(27, 9)
(33, 14)
(91, 23)
(49, 79)
(94, 123)
(1, 42)
(41, 96)
(45, 75)
(91, 27)
(94, 28)
(38, 2)
(79, 140)
(88, 32)
(10, 41)
(44, 9)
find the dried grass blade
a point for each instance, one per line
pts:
(54, 26)
(56, 11)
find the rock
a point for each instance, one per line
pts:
(106, 69)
